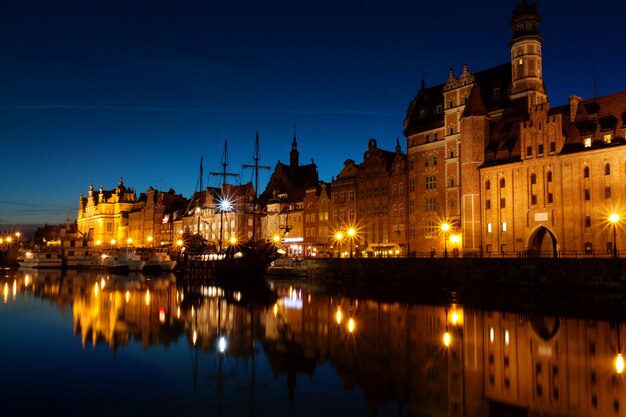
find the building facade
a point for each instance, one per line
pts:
(510, 174)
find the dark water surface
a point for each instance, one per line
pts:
(96, 344)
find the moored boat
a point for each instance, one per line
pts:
(156, 260)
(40, 257)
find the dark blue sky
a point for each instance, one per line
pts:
(98, 90)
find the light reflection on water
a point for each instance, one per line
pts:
(87, 343)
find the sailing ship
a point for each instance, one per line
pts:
(231, 260)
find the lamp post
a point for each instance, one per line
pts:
(445, 228)
(18, 234)
(614, 218)
(338, 238)
(351, 233)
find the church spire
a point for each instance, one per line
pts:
(294, 155)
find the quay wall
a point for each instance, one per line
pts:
(524, 272)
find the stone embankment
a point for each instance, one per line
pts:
(532, 272)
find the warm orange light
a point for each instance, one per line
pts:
(179, 242)
(351, 325)
(447, 339)
(150, 239)
(129, 240)
(619, 364)
(445, 227)
(351, 232)
(113, 242)
(276, 238)
(339, 236)
(614, 218)
(338, 316)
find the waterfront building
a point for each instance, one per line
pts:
(370, 197)
(283, 201)
(103, 217)
(510, 174)
(221, 214)
(151, 219)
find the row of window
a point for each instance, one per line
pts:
(533, 177)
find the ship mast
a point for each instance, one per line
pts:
(256, 168)
(224, 175)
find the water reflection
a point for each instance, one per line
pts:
(442, 359)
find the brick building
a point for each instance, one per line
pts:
(511, 174)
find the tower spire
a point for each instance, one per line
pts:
(294, 155)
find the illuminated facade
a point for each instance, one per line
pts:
(221, 214)
(371, 198)
(511, 174)
(283, 202)
(104, 216)
(151, 220)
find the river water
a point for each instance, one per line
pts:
(94, 344)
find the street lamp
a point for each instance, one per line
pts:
(18, 234)
(614, 218)
(445, 228)
(129, 241)
(351, 233)
(338, 238)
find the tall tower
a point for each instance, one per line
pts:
(294, 155)
(525, 47)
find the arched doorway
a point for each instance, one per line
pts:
(542, 243)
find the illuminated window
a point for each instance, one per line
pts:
(506, 337)
(587, 142)
(607, 137)
(504, 226)
(521, 61)
(488, 227)
(492, 335)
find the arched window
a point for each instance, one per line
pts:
(502, 183)
(549, 176)
(607, 169)
(533, 179)
(586, 172)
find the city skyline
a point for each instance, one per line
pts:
(98, 92)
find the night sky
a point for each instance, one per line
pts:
(98, 90)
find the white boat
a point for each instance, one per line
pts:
(78, 257)
(40, 257)
(157, 260)
(122, 261)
